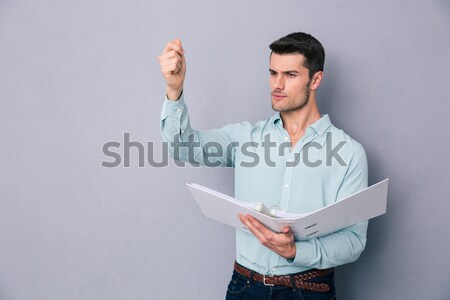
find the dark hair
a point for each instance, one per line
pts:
(305, 44)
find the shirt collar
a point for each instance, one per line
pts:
(319, 127)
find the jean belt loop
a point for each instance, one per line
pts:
(250, 279)
(294, 286)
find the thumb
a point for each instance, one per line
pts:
(177, 41)
(287, 230)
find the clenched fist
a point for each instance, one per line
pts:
(173, 68)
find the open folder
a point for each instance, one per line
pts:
(364, 205)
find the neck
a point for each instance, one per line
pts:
(297, 121)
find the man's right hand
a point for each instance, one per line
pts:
(173, 68)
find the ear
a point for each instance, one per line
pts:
(316, 80)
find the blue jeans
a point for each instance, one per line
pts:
(243, 288)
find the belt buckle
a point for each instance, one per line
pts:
(265, 283)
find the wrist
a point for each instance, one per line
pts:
(291, 256)
(174, 95)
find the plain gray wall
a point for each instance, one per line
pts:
(75, 75)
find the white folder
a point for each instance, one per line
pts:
(364, 205)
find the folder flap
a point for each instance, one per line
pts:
(363, 205)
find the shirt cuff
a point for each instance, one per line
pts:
(171, 107)
(305, 253)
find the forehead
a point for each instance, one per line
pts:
(283, 62)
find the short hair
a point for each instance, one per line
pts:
(305, 44)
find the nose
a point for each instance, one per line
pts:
(278, 82)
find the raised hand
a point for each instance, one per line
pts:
(173, 68)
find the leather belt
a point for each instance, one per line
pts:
(287, 280)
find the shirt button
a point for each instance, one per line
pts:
(274, 269)
(286, 185)
(178, 109)
(286, 138)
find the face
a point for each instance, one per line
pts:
(289, 82)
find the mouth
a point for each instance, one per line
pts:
(276, 96)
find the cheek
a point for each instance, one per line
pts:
(299, 88)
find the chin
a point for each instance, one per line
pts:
(276, 107)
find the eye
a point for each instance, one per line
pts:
(292, 75)
(273, 73)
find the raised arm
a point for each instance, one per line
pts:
(210, 147)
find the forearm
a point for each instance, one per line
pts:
(335, 249)
(210, 148)
(176, 131)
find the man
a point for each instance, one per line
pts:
(295, 161)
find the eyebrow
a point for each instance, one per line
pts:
(285, 72)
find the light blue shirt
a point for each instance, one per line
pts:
(325, 166)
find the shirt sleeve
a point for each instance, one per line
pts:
(346, 245)
(212, 148)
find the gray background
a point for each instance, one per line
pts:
(77, 74)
